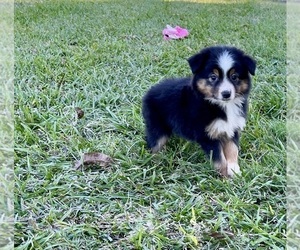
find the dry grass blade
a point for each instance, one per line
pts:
(221, 235)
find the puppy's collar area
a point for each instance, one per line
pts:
(238, 101)
(235, 119)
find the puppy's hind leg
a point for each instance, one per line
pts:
(157, 130)
(156, 137)
(159, 144)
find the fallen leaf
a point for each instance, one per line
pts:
(79, 112)
(95, 158)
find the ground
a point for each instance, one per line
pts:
(101, 57)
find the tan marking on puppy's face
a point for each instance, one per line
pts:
(232, 71)
(214, 76)
(243, 86)
(215, 71)
(204, 87)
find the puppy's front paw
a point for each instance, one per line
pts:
(233, 169)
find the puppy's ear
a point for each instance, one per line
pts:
(198, 61)
(251, 64)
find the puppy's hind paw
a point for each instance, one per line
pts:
(159, 145)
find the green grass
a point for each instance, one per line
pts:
(6, 126)
(293, 128)
(102, 56)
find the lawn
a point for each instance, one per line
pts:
(293, 126)
(6, 126)
(100, 57)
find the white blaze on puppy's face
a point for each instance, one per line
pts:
(226, 90)
(225, 62)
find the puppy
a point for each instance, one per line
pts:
(209, 108)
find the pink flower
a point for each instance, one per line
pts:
(174, 33)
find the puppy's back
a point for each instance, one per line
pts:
(166, 93)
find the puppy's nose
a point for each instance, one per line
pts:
(226, 94)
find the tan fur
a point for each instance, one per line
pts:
(243, 86)
(204, 88)
(230, 151)
(160, 143)
(232, 71)
(215, 71)
(228, 165)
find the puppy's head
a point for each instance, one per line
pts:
(222, 73)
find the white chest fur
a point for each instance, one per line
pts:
(235, 121)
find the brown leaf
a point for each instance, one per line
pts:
(95, 158)
(80, 112)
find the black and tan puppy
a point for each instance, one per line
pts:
(209, 108)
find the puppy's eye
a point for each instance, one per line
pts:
(234, 77)
(213, 77)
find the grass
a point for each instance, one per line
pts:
(6, 126)
(101, 56)
(293, 117)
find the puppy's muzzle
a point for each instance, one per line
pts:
(226, 95)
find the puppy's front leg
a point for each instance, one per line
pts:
(231, 151)
(218, 157)
(220, 163)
